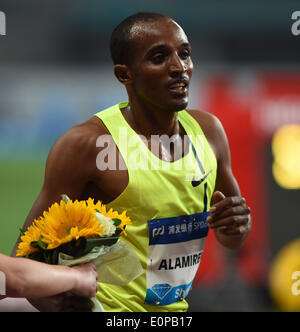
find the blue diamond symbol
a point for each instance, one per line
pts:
(161, 290)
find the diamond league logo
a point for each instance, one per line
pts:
(161, 290)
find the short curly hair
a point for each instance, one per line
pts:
(120, 37)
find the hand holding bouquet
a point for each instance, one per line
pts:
(73, 233)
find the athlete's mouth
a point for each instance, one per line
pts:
(178, 86)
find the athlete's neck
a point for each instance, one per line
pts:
(147, 120)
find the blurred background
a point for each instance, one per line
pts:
(56, 71)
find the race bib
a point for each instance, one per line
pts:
(175, 249)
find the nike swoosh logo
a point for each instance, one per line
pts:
(198, 182)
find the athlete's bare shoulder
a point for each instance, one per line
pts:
(87, 131)
(213, 130)
(207, 121)
(75, 151)
(81, 137)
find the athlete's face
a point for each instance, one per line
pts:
(161, 65)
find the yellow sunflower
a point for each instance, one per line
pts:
(125, 220)
(32, 234)
(65, 222)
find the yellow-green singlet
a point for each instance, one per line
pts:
(168, 204)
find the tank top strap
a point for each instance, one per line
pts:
(200, 146)
(114, 121)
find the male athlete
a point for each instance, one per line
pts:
(167, 192)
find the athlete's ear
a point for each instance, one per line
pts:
(123, 74)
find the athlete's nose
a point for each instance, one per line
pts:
(177, 67)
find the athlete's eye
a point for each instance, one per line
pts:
(185, 54)
(158, 58)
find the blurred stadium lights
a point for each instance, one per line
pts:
(286, 152)
(284, 276)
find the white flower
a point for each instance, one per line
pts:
(109, 227)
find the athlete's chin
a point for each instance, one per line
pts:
(173, 104)
(179, 104)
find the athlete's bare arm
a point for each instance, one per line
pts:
(27, 278)
(230, 216)
(70, 167)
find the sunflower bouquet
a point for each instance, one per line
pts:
(77, 232)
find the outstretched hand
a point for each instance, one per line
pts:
(82, 285)
(86, 282)
(229, 215)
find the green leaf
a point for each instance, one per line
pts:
(74, 248)
(118, 231)
(34, 244)
(47, 256)
(54, 256)
(65, 198)
(101, 241)
(39, 244)
(116, 221)
(42, 244)
(21, 231)
(37, 256)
